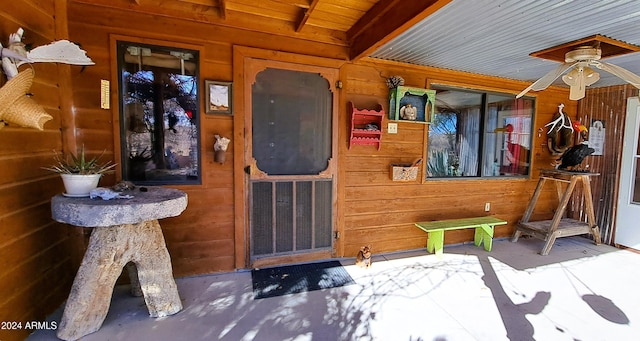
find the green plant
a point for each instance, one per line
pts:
(438, 163)
(79, 164)
(441, 164)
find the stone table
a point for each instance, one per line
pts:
(125, 230)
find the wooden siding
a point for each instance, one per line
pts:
(206, 237)
(203, 239)
(41, 256)
(38, 255)
(610, 106)
(380, 212)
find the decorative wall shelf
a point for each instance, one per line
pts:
(366, 126)
(423, 100)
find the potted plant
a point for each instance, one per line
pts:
(79, 174)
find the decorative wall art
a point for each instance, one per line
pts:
(597, 136)
(16, 103)
(218, 97)
(412, 104)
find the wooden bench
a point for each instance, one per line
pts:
(483, 234)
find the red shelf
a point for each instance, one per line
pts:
(360, 118)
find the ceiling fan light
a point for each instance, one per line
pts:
(576, 80)
(590, 76)
(572, 77)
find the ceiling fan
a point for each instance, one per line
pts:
(582, 59)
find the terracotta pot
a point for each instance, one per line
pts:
(77, 185)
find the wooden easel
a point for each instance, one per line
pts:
(559, 226)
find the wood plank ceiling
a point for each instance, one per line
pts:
(361, 25)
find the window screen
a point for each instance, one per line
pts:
(291, 122)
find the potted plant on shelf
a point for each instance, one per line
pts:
(79, 174)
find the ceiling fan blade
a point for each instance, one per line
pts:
(547, 79)
(618, 71)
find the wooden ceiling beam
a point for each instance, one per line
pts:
(306, 13)
(386, 20)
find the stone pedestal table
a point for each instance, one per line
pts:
(125, 230)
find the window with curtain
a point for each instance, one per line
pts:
(159, 112)
(479, 134)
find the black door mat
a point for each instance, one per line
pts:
(293, 279)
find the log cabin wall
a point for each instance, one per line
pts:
(44, 256)
(201, 240)
(382, 213)
(39, 257)
(371, 208)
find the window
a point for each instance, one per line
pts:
(159, 111)
(479, 134)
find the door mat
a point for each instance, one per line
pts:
(293, 279)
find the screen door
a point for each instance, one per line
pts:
(292, 180)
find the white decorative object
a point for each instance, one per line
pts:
(220, 149)
(61, 51)
(409, 112)
(15, 105)
(221, 143)
(79, 185)
(15, 55)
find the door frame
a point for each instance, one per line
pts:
(630, 145)
(241, 105)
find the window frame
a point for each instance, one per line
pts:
(119, 115)
(482, 143)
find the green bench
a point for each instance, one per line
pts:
(483, 234)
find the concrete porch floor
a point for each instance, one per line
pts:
(580, 291)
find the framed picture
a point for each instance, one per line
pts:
(218, 97)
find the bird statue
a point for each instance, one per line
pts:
(572, 158)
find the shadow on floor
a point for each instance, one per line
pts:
(578, 292)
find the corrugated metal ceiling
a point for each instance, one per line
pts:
(496, 37)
